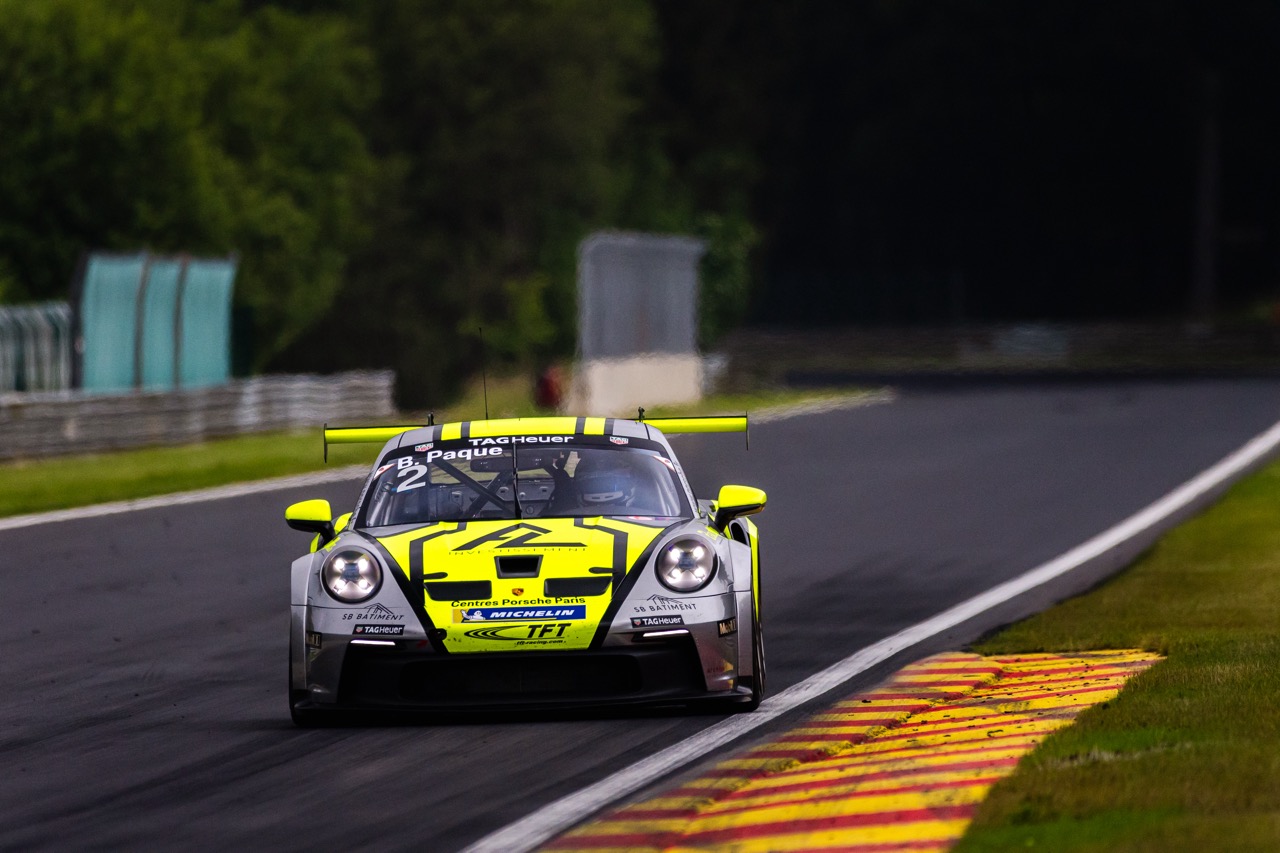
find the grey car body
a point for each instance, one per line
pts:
(541, 562)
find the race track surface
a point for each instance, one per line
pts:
(145, 654)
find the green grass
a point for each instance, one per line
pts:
(70, 481)
(1188, 756)
(47, 484)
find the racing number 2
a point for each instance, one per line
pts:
(415, 473)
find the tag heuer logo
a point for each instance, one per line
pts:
(379, 630)
(617, 439)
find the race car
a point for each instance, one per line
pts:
(533, 563)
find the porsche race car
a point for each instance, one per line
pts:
(536, 562)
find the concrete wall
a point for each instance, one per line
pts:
(50, 424)
(616, 386)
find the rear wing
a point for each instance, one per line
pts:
(670, 426)
(362, 435)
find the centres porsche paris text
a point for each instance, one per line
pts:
(518, 602)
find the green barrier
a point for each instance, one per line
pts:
(205, 336)
(108, 311)
(154, 323)
(158, 350)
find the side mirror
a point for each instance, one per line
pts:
(736, 501)
(311, 517)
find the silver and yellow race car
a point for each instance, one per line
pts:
(535, 562)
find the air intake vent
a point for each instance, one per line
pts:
(459, 590)
(519, 567)
(575, 587)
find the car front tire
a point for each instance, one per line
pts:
(757, 680)
(302, 718)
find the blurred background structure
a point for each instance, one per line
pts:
(989, 177)
(637, 322)
(35, 347)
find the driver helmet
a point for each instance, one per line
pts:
(605, 477)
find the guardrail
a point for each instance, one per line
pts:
(57, 423)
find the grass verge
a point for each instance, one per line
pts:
(1188, 756)
(70, 481)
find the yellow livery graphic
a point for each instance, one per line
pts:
(523, 609)
(534, 562)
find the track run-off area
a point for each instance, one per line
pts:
(901, 767)
(146, 648)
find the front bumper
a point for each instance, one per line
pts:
(406, 677)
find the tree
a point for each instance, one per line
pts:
(100, 143)
(183, 128)
(286, 102)
(499, 127)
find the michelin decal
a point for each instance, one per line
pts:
(519, 614)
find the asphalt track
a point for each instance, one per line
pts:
(144, 654)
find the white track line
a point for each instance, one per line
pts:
(547, 822)
(237, 490)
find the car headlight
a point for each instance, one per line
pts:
(686, 565)
(351, 575)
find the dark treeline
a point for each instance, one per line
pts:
(938, 161)
(398, 174)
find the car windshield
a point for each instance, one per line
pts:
(432, 483)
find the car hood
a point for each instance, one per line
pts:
(542, 583)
